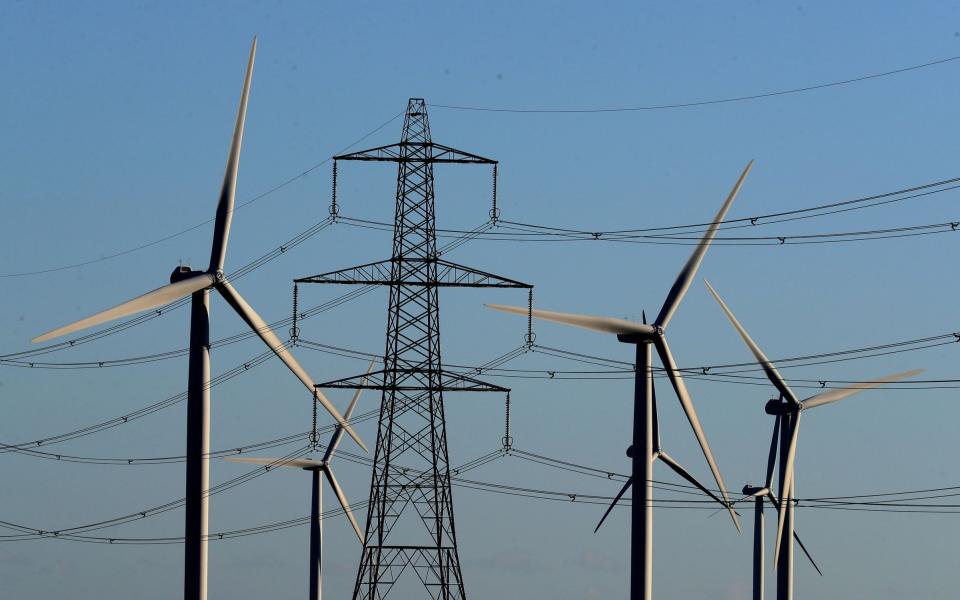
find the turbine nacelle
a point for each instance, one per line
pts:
(183, 272)
(319, 466)
(754, 491)
(652, 336)
(778, 408)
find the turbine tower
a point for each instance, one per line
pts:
(787, 410)
(645, 448)
(316, 467)
(197, 284)
(410, 525)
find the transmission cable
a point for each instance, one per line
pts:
(698, 103)
(246, 203)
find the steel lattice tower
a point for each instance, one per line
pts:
(410, 523)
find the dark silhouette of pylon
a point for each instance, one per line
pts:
(410, 528)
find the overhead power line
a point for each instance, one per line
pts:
(901, 501)
(708, 102)
(227, 375)
(171, 236)
(153, 314)
(689, 234)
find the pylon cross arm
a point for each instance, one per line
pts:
(424, 152)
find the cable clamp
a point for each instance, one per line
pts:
(753, 220)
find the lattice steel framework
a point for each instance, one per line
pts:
(410, 524)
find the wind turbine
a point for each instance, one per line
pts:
(644, 450)
(787, 410)
(760, 495)
(316, 467)
(197, 284)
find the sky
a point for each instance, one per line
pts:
(115, 121)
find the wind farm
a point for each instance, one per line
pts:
(151, 450)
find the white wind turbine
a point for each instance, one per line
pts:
(787, 409)
(761, 495)
(644, 336)
(316, 505)
(185, 282)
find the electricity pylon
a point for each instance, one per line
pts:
(410, 525)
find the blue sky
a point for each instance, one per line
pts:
(115, 121)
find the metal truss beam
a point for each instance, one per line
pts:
(448, 275)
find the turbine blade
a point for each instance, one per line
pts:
(158, 297)
(776, 504)
(343, 501)
(772, 456)
(338, 432)
(787, 490)
(302, 463)
(689, 271)
(263, 330)
(684, 396)
(593, 323)
(720, 510)
(836, 395)
(221, 228)
(656, 418)
(616, 499)
(772, 374)
(679, 470)
(807, 553)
